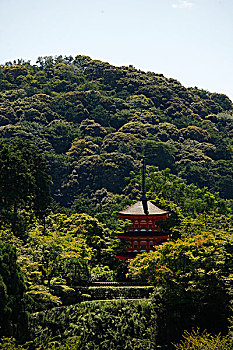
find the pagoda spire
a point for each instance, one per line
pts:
(145, 232)
(143, 198)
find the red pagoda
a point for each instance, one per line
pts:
(145, 232)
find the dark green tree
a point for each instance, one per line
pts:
(160, 154)
(24, 183)
(13, 303)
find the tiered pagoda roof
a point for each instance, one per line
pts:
(137, 209)
(145, 232)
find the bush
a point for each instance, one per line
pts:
(101, 325)
(102, 273)
(204, 341)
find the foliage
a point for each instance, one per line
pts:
(193, 282)
(95, 172)
(74, 108)
(24, 184)
(13, 302)
(42, 298)
(204, 341)
(164, 186)
(160, 153)
(85, 125)
(102, 273)
(117, 324)
(66, 252)
(10, 344)
(58, 251)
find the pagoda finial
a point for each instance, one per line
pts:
(143, 198)
(143, 178)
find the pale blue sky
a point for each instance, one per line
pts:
(190, 40)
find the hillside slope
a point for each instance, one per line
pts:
(94, 121)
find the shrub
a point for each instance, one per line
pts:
(204, 341)
(101, 325)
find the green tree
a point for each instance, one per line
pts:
(59, 252)
(160, 154)
(24, 183)
(13, 317)
(193, 282)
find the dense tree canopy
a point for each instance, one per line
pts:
(72, 108)
(77, 128)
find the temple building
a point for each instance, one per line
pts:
(145, 232)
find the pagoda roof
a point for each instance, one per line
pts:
(143, 234)
(138, 210)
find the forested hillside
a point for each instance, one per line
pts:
(73, 132)
(93, 122)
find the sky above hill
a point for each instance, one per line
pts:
(189, 40)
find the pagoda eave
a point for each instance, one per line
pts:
(126, 256)
(143, 216)
(144, 232)
(144, 237)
